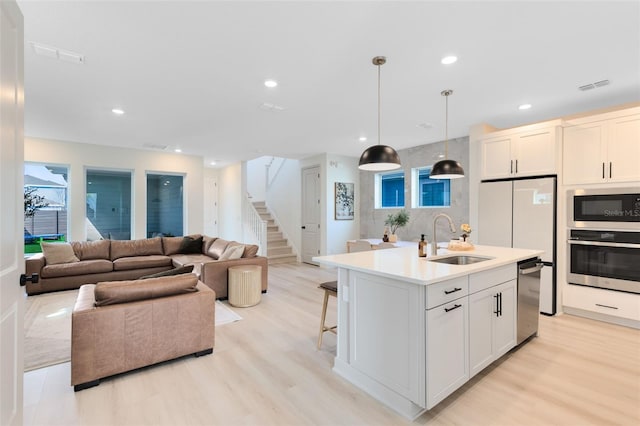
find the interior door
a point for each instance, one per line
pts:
(311, 213)
(11, 215)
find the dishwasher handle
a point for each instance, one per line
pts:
(538, 266)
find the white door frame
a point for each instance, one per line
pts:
(11, 215)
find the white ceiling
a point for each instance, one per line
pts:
(190, 74)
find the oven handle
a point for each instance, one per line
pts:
(604, 244)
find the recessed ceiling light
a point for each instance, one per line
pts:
(524, 106)
(178, 150)
(448, 60)
(213, 163)
(270, 83)
(362, 138)
(117, 111)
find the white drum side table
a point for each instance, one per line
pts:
(245, 285)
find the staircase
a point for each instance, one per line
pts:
(278, 248)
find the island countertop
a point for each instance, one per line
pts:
(403, 262)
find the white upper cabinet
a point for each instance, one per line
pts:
(525, 151)
(597, 150)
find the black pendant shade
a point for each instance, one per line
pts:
(447, 169)
(379, 158)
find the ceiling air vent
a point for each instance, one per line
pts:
(56, 53)
(271, 107)
(590, 86)
(155, 146)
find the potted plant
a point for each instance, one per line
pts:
(395, 221)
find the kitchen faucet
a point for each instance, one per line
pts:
(434, 247)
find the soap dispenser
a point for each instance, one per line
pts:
(422, 244)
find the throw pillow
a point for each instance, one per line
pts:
(232, 252)
(176, 271)
(56, 253)
(191, 245)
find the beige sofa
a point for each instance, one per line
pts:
(124, 325)
(116, 260)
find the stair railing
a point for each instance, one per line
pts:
(255, 226)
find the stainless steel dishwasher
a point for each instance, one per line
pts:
(528, 298)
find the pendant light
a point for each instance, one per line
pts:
(446, 169)
(379, 157)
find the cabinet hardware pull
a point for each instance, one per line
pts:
(511, 167)
(606, 306)
(497, 309)
(516, 166)
(500, 304)
(452, 291)
(456, 306)
(602, 170)
(610, 168)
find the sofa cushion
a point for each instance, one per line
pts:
(250, 250)
(113, 292)
(140, 262)
(57, 253)
(207, 243)
(86, 250)
(232, 252)
(217, 248)
(94, 266)
(171, 245)
(130, 248)
(191, 245)
(171, 272)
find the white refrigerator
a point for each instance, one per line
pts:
(522, 214)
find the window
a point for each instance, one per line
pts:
(390, 189)
(45, 188)
(429, 192)
(164, 205)
(108, 205)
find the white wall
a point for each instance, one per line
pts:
(284, 199)
(230, 193)
(79, 156)
(341, 169)
(210, 201)
(256, 178)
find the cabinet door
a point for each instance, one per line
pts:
(496, 158)
(447, 349)
(482, 308)
(492, 324)
(535, 153)
(505, 322)
(623, 149)
(583, 154)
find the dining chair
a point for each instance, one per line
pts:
(385, 245)
(359, 245)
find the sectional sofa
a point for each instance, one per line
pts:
(121, 326)
(91, 262)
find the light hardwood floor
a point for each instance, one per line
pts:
(265, 370)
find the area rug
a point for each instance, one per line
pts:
(47, 327)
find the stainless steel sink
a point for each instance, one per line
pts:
(460, 259)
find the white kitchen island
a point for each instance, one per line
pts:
(411, 331)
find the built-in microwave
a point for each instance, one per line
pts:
(608, 208)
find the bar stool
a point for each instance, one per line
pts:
(330, 289)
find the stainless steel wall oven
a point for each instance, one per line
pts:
(604, 238)
(605, 259)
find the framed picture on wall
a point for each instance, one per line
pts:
(344, 198)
